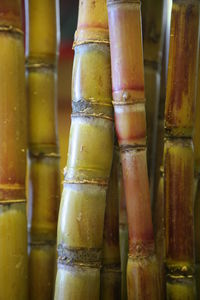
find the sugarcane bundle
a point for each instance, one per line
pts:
(178, 150)
(42, 38)
(13, 135)
(154, 22)
(81, 215)
(111, 270)
(129, 105)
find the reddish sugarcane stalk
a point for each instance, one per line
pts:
(178, 150)
(130, 117)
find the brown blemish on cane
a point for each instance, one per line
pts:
(111, 224)
(183, 58)
(179, 206)
(93, 4)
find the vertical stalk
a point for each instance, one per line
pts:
(153, 21)
(129, 104)
(123, 231)
(111, 272)
(81, 215)
(158, 201)
(13, 136)
(178, 150)
(42, 37)
(196, 139)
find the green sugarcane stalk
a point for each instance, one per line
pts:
(86, 176)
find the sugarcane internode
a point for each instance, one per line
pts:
(178, 150)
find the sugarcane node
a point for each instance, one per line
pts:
(92, 108)
(32, 65)
(79, 105)
(85, 181)
(90, 41)
(92, 115)
(180, 270)
(11, 30)
(38, 243)
(112, 2)
(132, 148)
(9, 202)
(141, 249)
(41, 155)
(128, 98)
(79, 256)
(186, 140)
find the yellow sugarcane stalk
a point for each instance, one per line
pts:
(178, 150)
(111, 271)
(42, 38)
(13, 232)
(81, 215)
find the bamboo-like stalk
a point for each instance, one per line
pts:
(123, 233)
(178, 150)
(158, 203)
(42, 36)
(13, 136)
(153, 21)
(196, 139)
(111, 271)
(129, 104)
(81, 215)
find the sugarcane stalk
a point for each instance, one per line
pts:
(42, 38)
(111, 271)
(123, 231)
(178, 150)
(129, 105)
(13, 227)
(81, 215)
(158, 201)
(196, 140)
(153, 25)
